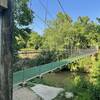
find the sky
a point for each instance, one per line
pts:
(73, 8)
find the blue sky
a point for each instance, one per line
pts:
(73, 8)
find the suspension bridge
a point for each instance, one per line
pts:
(37, 71)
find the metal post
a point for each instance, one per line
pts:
(6, 30)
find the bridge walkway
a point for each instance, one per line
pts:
(30, 73)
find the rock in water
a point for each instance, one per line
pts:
(69, 95)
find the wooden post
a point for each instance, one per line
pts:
(6, 30)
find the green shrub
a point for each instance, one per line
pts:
(83, 96)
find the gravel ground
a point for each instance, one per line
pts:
(24, 94)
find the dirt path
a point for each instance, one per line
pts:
(24, 94)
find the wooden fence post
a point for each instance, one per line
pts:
(6, 30)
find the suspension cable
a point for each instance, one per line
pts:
(42, 20)
(62, 9)
(46, 9)
(46, 12)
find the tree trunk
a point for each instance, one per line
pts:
(6, 30)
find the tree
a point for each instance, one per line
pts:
(98, 31)
(58, 30)
(86, 31)
(35, 41)
(23, 17)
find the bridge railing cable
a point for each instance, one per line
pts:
(29, 73)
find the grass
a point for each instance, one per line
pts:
(60, 79)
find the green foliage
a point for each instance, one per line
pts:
(23, 17)
(95, 73)
(35, 41)
(81, 89)
(47, 57)
(92, 86)
(63, 34)
(83, 96)
(80, 83)
(73, 66)
(54, 36)
(94, 91)
(61, 96)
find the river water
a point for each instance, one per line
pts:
(63, 79)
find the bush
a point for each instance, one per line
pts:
(83, 96)
(95, 80)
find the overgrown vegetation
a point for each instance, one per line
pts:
(60, 40)
(83, 81)
(63, 38)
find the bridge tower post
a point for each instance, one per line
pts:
(6, 30)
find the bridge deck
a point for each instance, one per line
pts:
(30, 73)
